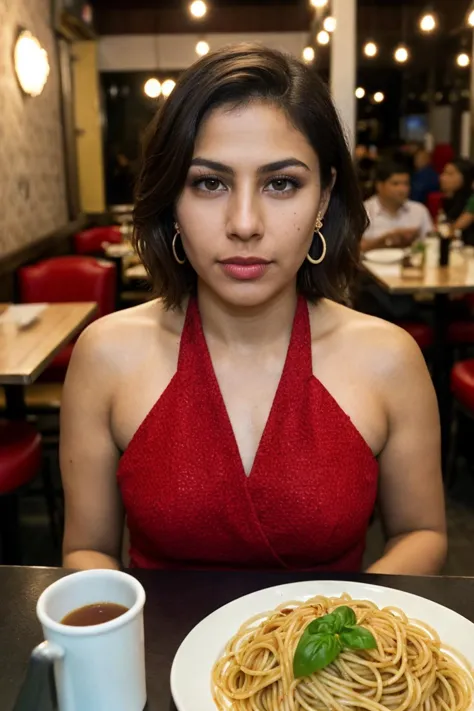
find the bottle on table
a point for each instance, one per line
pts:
(444, 231)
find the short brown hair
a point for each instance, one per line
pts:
(237, 75)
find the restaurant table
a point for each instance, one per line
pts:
(176, 602)
(442, 283)
(26, 352)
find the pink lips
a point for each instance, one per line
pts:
(245, 268)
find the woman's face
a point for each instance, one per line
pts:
(451, 179)
(248, 210)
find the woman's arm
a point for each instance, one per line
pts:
(411, 490)
(464, 221)
(89, 458)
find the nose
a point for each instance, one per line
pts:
(244, 215)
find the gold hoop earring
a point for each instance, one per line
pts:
(317, 231)
(173, 247)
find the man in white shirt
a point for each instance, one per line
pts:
(395, 221)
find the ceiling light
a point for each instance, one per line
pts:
(360, 92)
(470, 19)
(428, 22)
(31, 64)
(462, 60)
(198, 9)
(329, 24)
(167, 87)
(308, 54)
(202, 48)
(152, 88)
(401, 54)
(323, 37)
(379, 96)
(370, 49)
(318, 3)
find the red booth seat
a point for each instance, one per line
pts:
(91, 241)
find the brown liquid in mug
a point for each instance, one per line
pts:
(95, 614)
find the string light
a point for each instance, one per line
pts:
(167, 87)
(379, 96)
(323, 37)
(428, 23)
(360, 92)
(470, 19)
(401, 54)
(308, 54)
(198, 9)
(462, 60)
(370, 49)
(318, 3)
(152, 88)
(329, 24)
(202, 48)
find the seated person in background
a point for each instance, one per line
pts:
(458, 203)
(395, 221)
(425, 179)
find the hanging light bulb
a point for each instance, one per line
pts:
(360, 92)
(202, 48)
(308, 54)
(470, 19)
(428, 23)
(318, 3)
(370, 49)
(379, 96)
(463, 60)
(329, 24)
(198, 9)
(401, 54)
(152, 88)
(167, 87)
(323, 37)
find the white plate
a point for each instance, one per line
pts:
(23, 315)
(385, 256)
(192, 665)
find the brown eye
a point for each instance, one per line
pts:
(280, 184)
(211, 184)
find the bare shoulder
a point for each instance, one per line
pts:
(126, 335)
(379, 347)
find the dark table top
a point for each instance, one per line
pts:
(176, 601)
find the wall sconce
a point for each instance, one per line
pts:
(31, 63)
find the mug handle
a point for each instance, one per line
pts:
(38, 691)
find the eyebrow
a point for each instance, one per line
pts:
(268, 168)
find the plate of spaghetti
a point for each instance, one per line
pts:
(331, 645)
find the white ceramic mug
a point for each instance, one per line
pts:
(96, 668)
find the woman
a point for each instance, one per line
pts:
(259, 417)
(458, 203)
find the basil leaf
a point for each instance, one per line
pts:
(314, 652)
(358, 638)
(323, 625)
(344, 617)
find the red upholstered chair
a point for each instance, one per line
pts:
(420, 332)
(461, 332)
(433, 203)
(67, 279)
(91, 241)
(462, 387)
(20, 463)
(442, 154)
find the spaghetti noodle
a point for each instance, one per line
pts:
(408, 671)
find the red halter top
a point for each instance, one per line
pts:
(307, 502)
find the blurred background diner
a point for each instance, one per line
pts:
(79, 84)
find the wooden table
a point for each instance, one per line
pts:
(176, 602)
(441, 282)
(26, 353)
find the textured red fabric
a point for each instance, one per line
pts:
(309, 497)
(462, 383)
(20, 455)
